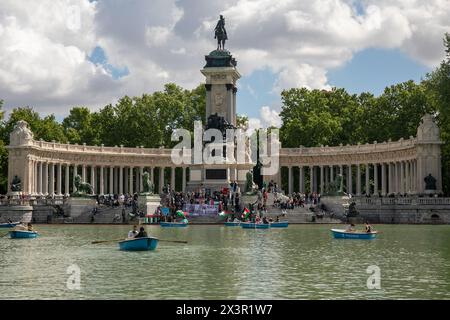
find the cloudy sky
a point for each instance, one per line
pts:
(56, 54)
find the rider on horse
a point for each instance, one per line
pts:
(221, 33)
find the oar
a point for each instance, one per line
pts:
(175, 241)
(114, 240)
(104, 241)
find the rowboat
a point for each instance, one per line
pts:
(232, 223)
(250, 225)
(9, 225)
(173, 224)
(22, 234)
(139, 244)
(280, 224)
(344, 234)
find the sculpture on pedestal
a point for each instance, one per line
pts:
(220, 33)
(147, 184)
(430, 182)
(16, 184)
(82, 188)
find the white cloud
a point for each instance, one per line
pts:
(267, 118)
(44, 45)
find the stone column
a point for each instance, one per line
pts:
(94, 187)
(368, 179)
(131, 180)
(41, 180)
(341, 172)
(111, 179)
(152, 176)
(383, 179)
(141, 183)
(83, 173)
(59, 180)
(101, 181)
(311, 178)
(75, 173)
(183, 186)
(331, 173)
(301, 182)
(350, 180)
(172, 178)
(51, 190)
(358, 179)
(161, 178)
(67, 180)
(407, 177)
(391, 177)
(290, 182)
(375, 179)
(45, 179)
(120, 180)
(402, 177)
(321, 180)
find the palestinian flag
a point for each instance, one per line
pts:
(245, 214)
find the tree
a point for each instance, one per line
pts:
(437, 84)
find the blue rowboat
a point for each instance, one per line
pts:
(139, 244)
(343, 234)
(22, 234)
(232, 224)
(9, 225)
(173, 224)
(250, 225)
(280, 224)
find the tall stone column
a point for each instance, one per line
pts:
(402, 177)
(102, 182)
(368, 179)
(290, 182)
(183, 186)
(75, 173)
(383, 179)
(131, 179)
(152, 176)
(41, 179)
(83, 173)
(311, 178)
(161, 179)
(358, 179)
(341, 172)
(45, 179)
(93, 182)
(115, 180)
(59, 180)
(141, 182)
(111, 180)
(67, 180)
(120, 180)
(301, 182)
(375, 179)
(126, 179)
(331, 173)
(408, 176)
(350, 180)
(51, 190)
(172, 178)
(321, 180)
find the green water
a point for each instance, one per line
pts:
(301, 262)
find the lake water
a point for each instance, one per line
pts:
(300, 262)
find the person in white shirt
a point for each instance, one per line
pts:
(133, 232)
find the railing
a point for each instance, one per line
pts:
(413, 200)
(33, 201)
(360, 148)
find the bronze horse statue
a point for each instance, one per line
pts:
(221, 33)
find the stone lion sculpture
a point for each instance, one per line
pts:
(147, 183)
(82, 188)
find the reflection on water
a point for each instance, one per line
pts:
(301, 262)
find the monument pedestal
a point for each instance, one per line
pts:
(148, 203)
